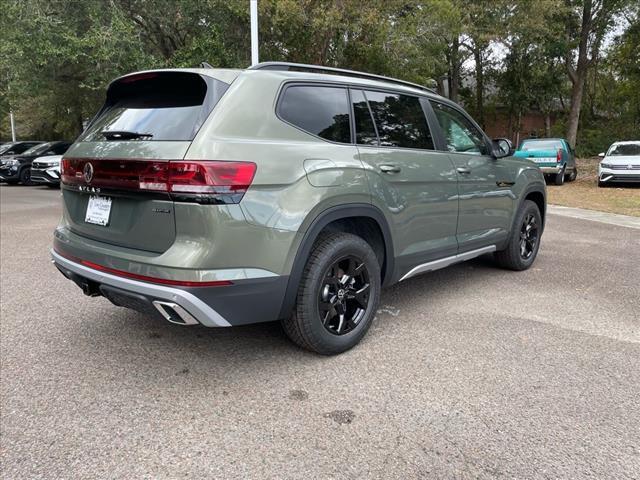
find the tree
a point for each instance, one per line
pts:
(586, 26)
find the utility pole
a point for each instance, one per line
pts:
(253, 4)
(13, 126)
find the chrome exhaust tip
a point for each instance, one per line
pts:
(174, 313)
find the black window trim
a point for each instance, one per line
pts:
(297, 83)
(373, 120)
(355, 86)
(396, 92)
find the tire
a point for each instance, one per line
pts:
(513, 257)
(602, 184)
(337, 260)
(559, 178)
(572, 176)
(25, 176)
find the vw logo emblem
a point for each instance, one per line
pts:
(88, 172)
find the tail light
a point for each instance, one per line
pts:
(204, 181)
(559, 156)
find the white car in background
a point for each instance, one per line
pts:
(46, 170)
(620, 164)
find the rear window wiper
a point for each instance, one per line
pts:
(124, 135)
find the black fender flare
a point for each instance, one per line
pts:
(534, 188)
(320, 222)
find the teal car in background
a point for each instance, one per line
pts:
(554, 156)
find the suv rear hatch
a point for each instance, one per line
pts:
(116, 178)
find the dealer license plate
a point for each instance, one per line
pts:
(98, 210)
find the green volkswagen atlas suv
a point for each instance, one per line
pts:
(284, 192)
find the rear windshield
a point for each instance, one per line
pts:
(157, 106)
(541, 145)
(627, 149)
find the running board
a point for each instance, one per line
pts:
(445, 262)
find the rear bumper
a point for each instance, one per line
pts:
(549, 170)
(244, 302)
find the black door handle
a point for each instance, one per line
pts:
(463, 170)
(390, 168)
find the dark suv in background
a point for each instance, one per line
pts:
(292, 192)
(17, 167)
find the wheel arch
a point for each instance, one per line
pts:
(337, 217)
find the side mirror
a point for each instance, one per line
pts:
(502, 147)
(601, 154)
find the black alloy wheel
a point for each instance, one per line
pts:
(344, 295)
(524, 239)
(528, 236)
(25, 176)
(338, 295)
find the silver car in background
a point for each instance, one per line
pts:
(621, 164)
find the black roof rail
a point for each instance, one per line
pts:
(301, 67)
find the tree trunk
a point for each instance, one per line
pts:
(579, 76)
(454, 70)
(477, 56)
(547, 124)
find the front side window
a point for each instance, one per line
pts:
(400, 120)
(320, 110)
(461, 135)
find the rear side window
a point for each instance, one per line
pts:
(156, 106)
(400, 120)
(320, 110)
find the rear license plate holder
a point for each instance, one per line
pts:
(98, 210)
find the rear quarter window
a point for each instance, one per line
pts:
(161, 106)
(322, 111)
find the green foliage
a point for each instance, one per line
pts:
(57, 56)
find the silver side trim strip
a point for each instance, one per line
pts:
(192, 305)
(445, 262)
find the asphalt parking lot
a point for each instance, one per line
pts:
(469, 372)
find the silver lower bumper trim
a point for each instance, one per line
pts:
(191, 305)
(174, 313)
(445, 262)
